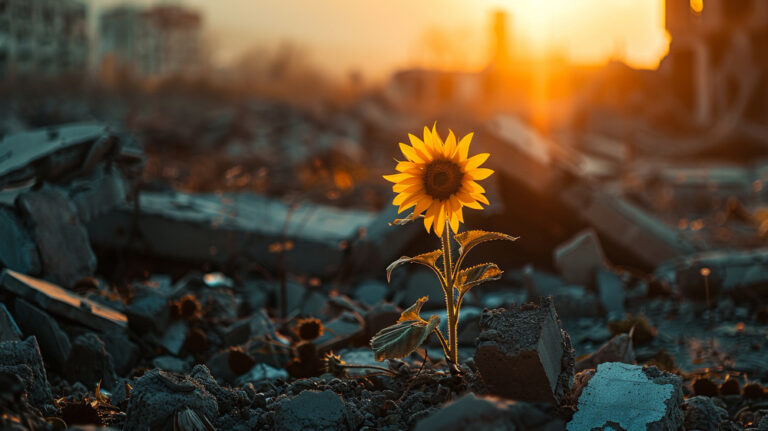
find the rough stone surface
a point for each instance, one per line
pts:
(370, 292)
(487, 414)
(630, 397)
(611, 292)
(226, 398)
(54, 342)
(9, 330)
(579, 259)
(65, 251)
(157, 396)
(524, 354)
(17, 249)
(124, 352)
(89, 362)
(702, 414)
(320, 411)
(27, 354)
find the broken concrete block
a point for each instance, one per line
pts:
(124, 352)
(321, 411)
(703, 414)
(65, 252)
(226, 398)
(617, 349)
(89, 363)
(174, 336)
(379, 243)
(341, 330)
(571, 300)
(149, 310)
(27, 353)
(422, 282)
(370, 292)
(258, 324)
(9, 330)
(17, 249)
(223, 229)
(611, 292)
(54, 342)
(62, 302)
(97, 193)
(261, 372)
(158, 395)
(524, 354)
(579, 259)
(170, 363)
(487, 414)
(638, 233)
(630, 397)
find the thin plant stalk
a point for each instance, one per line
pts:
(451, 309)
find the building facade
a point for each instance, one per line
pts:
(42, 38)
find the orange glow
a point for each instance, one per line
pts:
(697, 5)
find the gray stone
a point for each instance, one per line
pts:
(258, 324)
(611, 292)
(56, 300)
(62, 241)
(17, 249)
(524, 354)
(617, 349)
(371, 291)
(125, 353)
(320, 411)
(9, 330)
(702, 414)
(54, 342)
(170, 363)
(570, 300)
(630, 397)
(341, 329)
(97, 193)
(487, 414)
(226, 398)
(27, 353)
(261, 372)
(579, 259)
(174, 336)
(158, 395)
(148, 310)
(423, 282)
(89, 363)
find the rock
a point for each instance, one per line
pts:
(17, 249)
(170, 363)
(320, 411)
(97, 193)
(341, 330)
(571, 300)
(380, 316)
(629, 397)
(65, 252)
(226, 398)
(359, 356)
(9, 330)
(423, 282)
(124, 352)
(487, 414)
(158, 395)
(612, 295)
(261, 372)
(579, 259)
(617, 349)
(54, 342)
(702, 414)
(174, 336)
(371, 291)
(257, 324)
(89, 363)
(27, 354)
(62, 302)
(524, 354)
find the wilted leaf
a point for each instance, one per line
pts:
(412, 312)
(427, 259)
(406, 220)
(471, 238)
(475, 275)
(400, 340)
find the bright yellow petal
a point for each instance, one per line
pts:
(440, 220)
(479, 173)
(450, 144)
(467, 200)
(410, 201)
(410, 153)
(472, 187)
(429, 218)
(412, 180)
(460, 212)
(455, 207)
(396, 178)
(462, 150)
(428, 140)
(405, 166)
(475, 161)
(420, 148)
(481, 198)
(422, 205)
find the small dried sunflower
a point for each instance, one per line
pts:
(439, 178)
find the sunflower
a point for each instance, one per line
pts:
(439, 178)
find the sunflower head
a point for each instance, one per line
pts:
(440, 178)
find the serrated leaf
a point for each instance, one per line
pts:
(477, 274)
(412, 312)
(427, 259)
(471, 238)
(399, 340)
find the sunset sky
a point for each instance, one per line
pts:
(377, 36)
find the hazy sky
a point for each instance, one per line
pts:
(375, 36)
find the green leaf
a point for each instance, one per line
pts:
(399, 340)
(471, 238)
(412, 312)
(475, 275)
(427, 259)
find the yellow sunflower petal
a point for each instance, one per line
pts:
(462, 151)
(405, 166)
(467, 200)
(429, 218)
(428, 139)
(440, 219)
(479, 173)
(472, 187)
(423, 205)
(400, 198)
(450, 144)
(475, 161)
(410, 153)
(420, 147)
(461, 215)
(410, 201)
(396, 178)
(453, 218)
(481, 198)
(412, 180)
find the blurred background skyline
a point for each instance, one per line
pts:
(373, 40)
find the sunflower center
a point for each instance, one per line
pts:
(442, 179)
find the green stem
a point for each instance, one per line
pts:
(449, 305)
(444, 344)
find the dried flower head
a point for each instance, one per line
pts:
(439, 178)
(333, 364)
(309, 328)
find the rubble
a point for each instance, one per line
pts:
(580, 259)
(322, 411)
(18, 250)
(523, 353)
(611, 292)
(9, 330)
(630, 397)
(16, 357)
(89, 362)
(702, 414)
(54, 342)
(61, 302)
